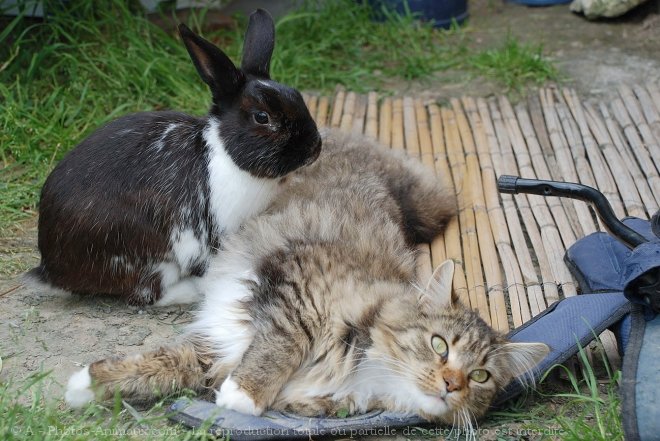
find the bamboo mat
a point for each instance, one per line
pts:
(509, 249)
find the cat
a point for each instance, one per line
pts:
(314, 306)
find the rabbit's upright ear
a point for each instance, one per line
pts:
(259, 44)
(213, 65)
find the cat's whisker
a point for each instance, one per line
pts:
(363, 380)
(471, 432)
(398, 373)
(391, 362)
(456, 428)
(417, 287)
(463, 424)
(453, 422)
(392, 365)
(469, 325)
(395, 362)
(473, 420)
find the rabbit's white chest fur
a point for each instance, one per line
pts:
(235, 195)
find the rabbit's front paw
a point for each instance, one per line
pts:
(231, 396)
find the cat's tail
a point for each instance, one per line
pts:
(427, 205)
(142, 377)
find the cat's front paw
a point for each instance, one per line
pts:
(79, 389)
(231, 396)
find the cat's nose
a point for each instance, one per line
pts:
(454, 381)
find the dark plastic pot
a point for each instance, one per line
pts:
(442, 13)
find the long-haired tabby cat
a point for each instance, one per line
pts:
(314, 306)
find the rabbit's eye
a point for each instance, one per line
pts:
(261, 117)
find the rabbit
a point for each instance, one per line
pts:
(138, 208)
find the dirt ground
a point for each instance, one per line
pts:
(42, 329)
(47, 329)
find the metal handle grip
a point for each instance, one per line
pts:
(515, 184)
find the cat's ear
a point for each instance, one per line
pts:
(523, 357)
(438, 292)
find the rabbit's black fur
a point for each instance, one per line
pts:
(138, 207)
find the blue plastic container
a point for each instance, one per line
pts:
(441, 13)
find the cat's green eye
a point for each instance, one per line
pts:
(480, 375)
(439, 345)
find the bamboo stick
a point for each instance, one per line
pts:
(637, 147)
(629, 160)
(337, 107)
(610, 345)
(486, 241)
(410, 124)
(371, 127)
(424, 135)
(540, 133)
(439, 244)
(453, 232)
(397, 124)
(505, 157)
(654, 91)
(575, 148)
(635, 113)
(385, 122)
(360, 115)
(528, 151)
(565, 161)
(588, 169)
(624, 180)
(346, 121)
(322, 111)
(649, 109)
(312, 102)
(606, 172)
(426, 155)
(654, 102)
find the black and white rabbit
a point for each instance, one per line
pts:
(138, 207)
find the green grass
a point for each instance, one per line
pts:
(600, 420)
(583, 407)
(514, 64)
(65, 76)
(26, 414)
(351, 49)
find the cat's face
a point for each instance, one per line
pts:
(453, 362)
